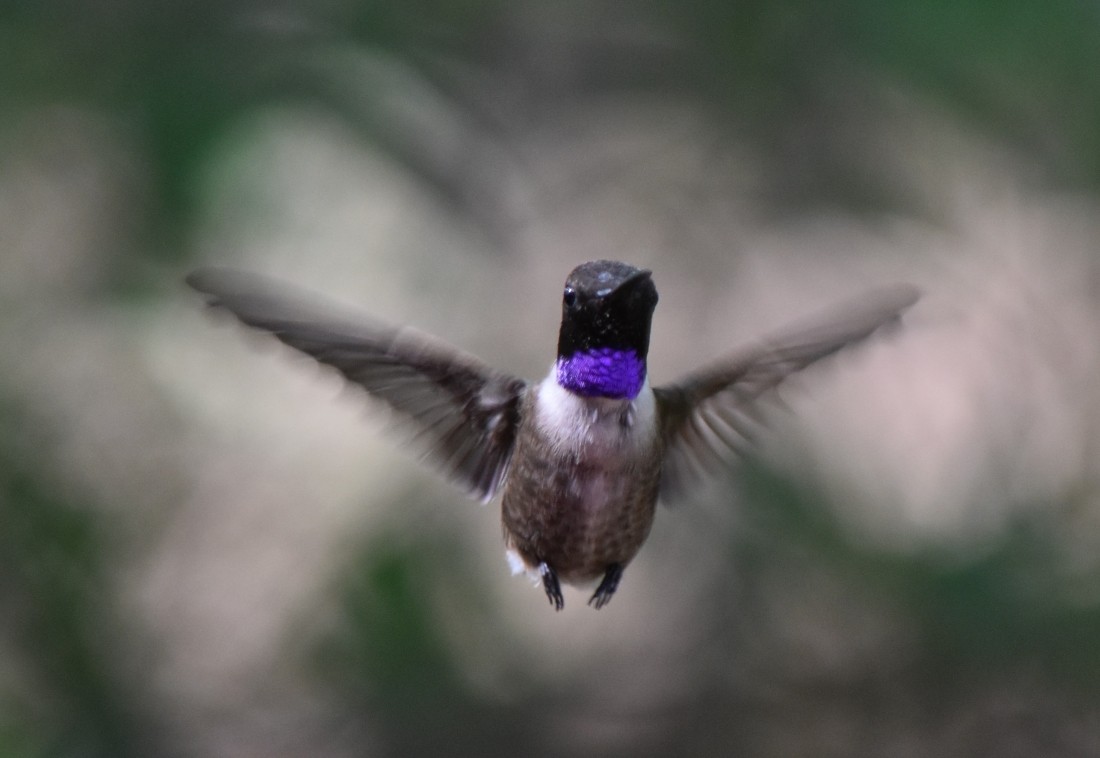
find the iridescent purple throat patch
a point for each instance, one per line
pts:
(604, 372)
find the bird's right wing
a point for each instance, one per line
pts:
(464, 413)
(703, 416)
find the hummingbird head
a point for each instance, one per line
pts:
(606, 312)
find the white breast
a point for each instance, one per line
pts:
(595, 427)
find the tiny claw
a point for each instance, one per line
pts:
(608, 585)
(552, 586)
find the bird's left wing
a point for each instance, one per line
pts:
(463, 412)
(704, 416)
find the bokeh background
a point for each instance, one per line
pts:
(211, 548)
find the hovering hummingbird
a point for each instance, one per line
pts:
(581, 456)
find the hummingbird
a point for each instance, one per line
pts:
(581, 457)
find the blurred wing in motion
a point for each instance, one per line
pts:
(705, 416)
(465, 413)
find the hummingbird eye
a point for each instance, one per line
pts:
(570, 297)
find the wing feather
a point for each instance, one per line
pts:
(464, 413)
(697, 411)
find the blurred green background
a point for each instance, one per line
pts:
(208, 548)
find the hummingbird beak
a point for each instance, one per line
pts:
(633, 280)
(637, 277)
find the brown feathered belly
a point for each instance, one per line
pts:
(579, 514)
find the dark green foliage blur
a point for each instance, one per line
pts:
(177, 76)
(59, 617)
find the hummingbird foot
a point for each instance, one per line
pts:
(552, 586)
(608, 585)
